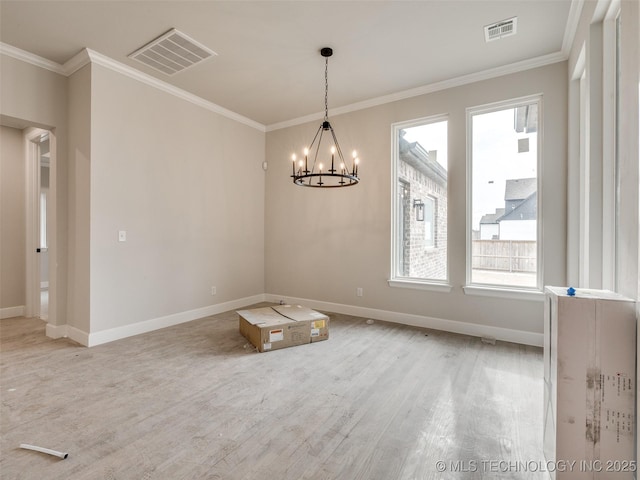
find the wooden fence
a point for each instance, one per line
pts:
(504, 255)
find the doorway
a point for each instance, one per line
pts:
(43, 250)
(40, 148)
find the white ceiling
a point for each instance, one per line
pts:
(268, 66)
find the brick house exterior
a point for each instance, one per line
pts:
(423, 189)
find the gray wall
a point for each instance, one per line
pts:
(187, 186)
(79, 156)
(323, 244)
(33, 96)
(12, 218)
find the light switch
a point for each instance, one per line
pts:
(122, 235)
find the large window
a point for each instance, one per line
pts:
(503, 167)
(420, 201)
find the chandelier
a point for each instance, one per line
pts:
(335, 172)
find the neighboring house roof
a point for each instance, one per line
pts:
(415, 155)
(525, 210)
(492, 217)
(519, 188)
(520, 195)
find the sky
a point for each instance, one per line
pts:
(432, 136)
(495, 157)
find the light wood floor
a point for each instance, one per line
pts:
(194, 401)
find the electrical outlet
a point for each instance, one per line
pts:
(122, 235)
(213, 290)
(359, 292)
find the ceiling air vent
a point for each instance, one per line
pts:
(172, 52)
(502, 29)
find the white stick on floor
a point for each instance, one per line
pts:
(55, 453)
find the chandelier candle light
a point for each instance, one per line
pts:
(318, 177)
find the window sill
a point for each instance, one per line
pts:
(421, 285)
(502, 292)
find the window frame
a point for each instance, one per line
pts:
(611, 25)
(395, 280)
(486, 289)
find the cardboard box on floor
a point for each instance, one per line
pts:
(589, 382)
(273, 328)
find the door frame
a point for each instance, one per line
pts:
(32, 138)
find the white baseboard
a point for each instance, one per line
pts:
(10, 312)
(67, 331)
(105, 336)
(473, 329)
(56, 331)
(78, 335)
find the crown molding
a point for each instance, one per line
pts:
(571, 27)
(76, 62)
(430, 88)
(104, 61)
(31, 58)
(87, 56)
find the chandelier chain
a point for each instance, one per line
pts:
(326, 89)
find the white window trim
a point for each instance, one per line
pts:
(504, 292)
(609, 147)
(574, 152)
(584, 139)
(527, 293)
(420, 284)
(395, 280)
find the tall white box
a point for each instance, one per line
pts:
(589, 384)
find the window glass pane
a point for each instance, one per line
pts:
(420, 241)
(43, 220)
(504, 197)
